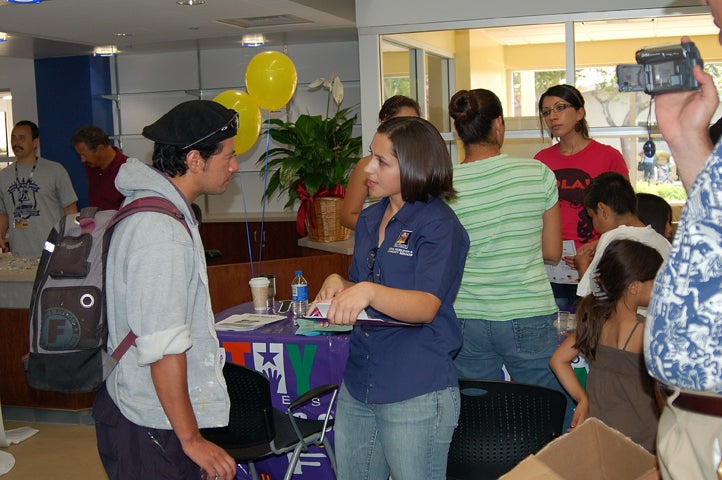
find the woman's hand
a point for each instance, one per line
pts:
(333, 284)
(569, 260)
(349, 303)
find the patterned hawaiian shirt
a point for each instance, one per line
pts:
(683, 335)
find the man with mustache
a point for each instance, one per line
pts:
(34, 194)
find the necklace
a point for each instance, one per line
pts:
(24, 187)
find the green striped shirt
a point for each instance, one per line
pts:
(501, 202)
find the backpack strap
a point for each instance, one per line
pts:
(144, 204)
(148, 204)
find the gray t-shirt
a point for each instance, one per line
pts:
(34, 202)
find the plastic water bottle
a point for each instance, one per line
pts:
(299, 294)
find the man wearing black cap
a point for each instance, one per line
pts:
(171, 384)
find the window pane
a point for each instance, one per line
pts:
(437, 91)
(395, 69)
(412, 66)
(516, 62)
(6, 123)
(519, 62)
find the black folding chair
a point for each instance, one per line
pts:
(256, 429)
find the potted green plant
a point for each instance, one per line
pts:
(314, 162)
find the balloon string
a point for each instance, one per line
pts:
(248, 234)
(264, 198)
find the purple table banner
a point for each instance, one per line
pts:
(293, 364)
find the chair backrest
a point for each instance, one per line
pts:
(500, 424)
(251, 414)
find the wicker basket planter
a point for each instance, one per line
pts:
(324, 222)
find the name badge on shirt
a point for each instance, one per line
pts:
(403, 239)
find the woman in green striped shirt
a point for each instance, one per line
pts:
(509, 206)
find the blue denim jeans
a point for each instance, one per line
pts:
(408, 439)
(524, 345)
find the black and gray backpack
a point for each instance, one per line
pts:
(68, 325)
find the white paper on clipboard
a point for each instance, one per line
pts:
(561, 272)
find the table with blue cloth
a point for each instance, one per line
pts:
(293, 364)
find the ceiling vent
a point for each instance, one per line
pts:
(266, 21)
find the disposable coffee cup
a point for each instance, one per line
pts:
(259, 292)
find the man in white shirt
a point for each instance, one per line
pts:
(612, 205)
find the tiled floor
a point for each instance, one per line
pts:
(57, 452)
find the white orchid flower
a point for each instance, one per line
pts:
(334, 88)
(337, 90)
(318, 83)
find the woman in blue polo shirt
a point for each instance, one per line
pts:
(399, 402)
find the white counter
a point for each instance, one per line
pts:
(344, 247)
(17, 275)
(251, 217)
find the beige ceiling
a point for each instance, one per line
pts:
(74, 27)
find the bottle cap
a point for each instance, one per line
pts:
(298, 272)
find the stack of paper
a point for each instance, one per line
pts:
(247, 321)
(314, 326)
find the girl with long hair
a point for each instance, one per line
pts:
(609, 334)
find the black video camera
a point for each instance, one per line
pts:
(662, 69)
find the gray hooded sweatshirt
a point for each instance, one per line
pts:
(157, 285)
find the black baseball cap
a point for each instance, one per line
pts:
(193, 122)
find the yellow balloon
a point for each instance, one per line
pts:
(271, 79)
(249, 117)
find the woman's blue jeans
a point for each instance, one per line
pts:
(523, 345)
(408, 439)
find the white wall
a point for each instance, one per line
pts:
(18, 76)
(150, 85)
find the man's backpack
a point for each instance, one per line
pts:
(68, 324)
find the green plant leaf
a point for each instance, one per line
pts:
(318, 151)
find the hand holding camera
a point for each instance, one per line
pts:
(683, 118)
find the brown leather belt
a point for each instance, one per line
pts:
(704, 404)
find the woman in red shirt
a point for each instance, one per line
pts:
(575, 160)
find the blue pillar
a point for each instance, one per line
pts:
(69, 93)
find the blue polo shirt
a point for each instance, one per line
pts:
(424, 249)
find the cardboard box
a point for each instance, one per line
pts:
(592, 451)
